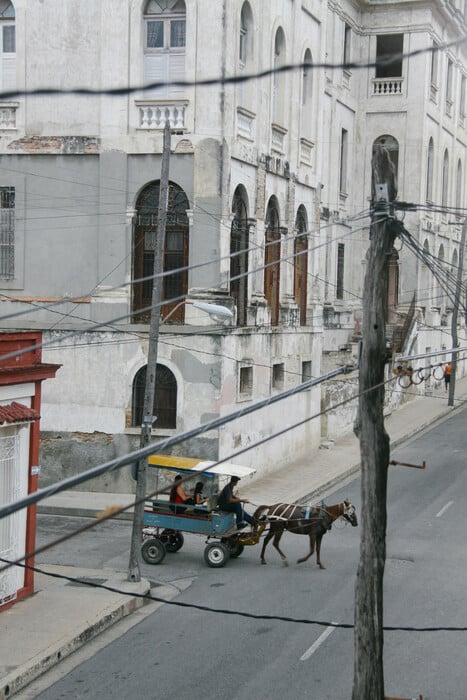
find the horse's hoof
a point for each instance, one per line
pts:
(285, 562)
(300, 561)
(263, 562)
(321, 566)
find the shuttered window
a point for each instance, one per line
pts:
(164, 53)
(7, 46)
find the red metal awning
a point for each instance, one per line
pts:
(17, 413)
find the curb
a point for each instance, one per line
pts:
(14, 682)
(79, 512)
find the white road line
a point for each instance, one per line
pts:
(444, 509)
(318, 643)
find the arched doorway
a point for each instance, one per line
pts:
(393, 286)
(272, 256)
(301, 263)
(391, 145)
(174, 286)
(239, 243)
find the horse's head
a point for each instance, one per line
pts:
(349, 513)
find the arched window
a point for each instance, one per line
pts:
(278, 92)
(7, 46)
(239, 254)
(301, 263)
(165, 399)
(445, 182)
(426, 279)
(438, 300)
(429, 171)
(174, 286)
(392, 147)
(393, 286)
(307, 95)
(272, 257)
(245, 54)
(164, 47)
(459, 184)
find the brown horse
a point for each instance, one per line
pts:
(313, 521)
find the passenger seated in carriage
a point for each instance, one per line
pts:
(178, 494)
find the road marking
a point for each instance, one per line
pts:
(318, 642)
(444, 509)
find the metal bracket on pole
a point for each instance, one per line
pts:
(407, 464)
(381, 193)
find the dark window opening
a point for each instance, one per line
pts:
(165, 399)
(389, 49)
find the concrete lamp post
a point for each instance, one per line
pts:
(221, 314)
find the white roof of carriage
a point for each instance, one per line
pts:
(210, 467)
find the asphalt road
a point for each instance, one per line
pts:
(190, 653)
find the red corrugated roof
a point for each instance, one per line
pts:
(17, 413)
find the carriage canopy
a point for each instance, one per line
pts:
(189, 465)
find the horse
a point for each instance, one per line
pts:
(313, 521)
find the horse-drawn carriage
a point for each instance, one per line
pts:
(165, 522)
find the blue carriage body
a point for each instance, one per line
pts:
(202, 522)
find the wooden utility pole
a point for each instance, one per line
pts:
(455, 312)
(134, 573)
(374, 442)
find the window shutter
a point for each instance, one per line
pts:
(155, 70)
(176, 72)
(8, 76)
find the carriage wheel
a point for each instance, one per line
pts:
(216, 555)
(234, 546)
(153, 551)
(172, 540)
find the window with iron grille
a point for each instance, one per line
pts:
(7, 233)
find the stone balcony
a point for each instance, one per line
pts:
(152, 114)
(387, 86)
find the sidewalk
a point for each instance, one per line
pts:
(30, 644)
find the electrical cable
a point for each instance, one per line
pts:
(225, 611)
(387, 59)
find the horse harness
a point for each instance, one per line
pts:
(318, 514)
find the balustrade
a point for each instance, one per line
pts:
(153, 115)
(387, 86)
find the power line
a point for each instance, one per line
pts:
(225, 611)
(384, 60)
(136, 455)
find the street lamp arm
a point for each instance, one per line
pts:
(216, 311)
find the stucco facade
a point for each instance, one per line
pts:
(84, 168)
(268, 212)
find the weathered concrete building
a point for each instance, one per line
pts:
(413, 104)
(79, 177)
(268, 208)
